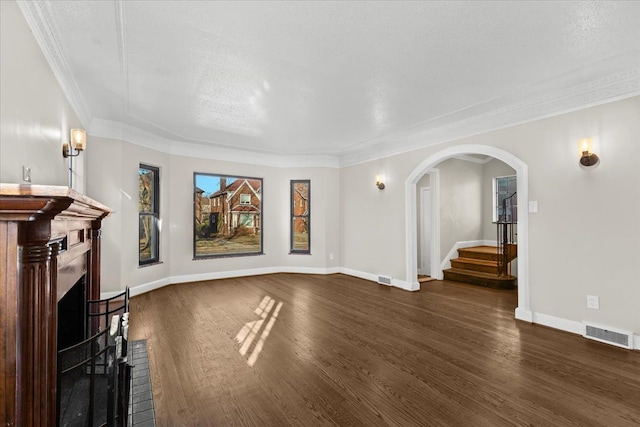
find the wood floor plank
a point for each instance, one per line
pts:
(302, 350)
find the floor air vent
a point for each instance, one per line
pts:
(384, 280)
(618, 338)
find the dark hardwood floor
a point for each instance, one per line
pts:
(291, 349)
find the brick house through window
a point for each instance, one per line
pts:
(235, 205)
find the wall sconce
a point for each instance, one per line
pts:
(585, 150)
(77, 143)
(379, 182)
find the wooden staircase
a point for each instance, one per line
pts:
(479, 265)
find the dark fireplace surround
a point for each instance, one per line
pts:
(49, 242)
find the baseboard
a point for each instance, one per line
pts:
(453, 253)
(148, 287)
(558, 323)
(309, 270)
(524, 315)
(402, 284)
(359, 274)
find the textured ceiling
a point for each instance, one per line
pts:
(333, 78)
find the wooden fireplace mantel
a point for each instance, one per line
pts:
(49, 238)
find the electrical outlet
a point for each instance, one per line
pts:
(593, 302)
(26, 174)
(330, 256)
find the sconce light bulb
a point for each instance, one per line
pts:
(586, 146)
(78, 139)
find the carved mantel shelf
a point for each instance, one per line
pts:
(30, 202)
(49, 238)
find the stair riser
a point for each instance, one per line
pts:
(493, 269)
(480, 281)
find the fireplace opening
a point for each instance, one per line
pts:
(72, 315)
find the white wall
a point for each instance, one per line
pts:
(461, 200)
(582, 241)
(36, 116)
(372, 220)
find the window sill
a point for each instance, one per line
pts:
(205, 257)
(151, 264)
(299, 253)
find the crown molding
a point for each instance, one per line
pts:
(134, 135)
(607, 89)
(46, 36)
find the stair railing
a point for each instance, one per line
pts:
(506, 236)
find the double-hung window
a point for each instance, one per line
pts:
(300, 216)
(148, 214)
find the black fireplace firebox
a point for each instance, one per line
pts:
(72, 318)
(93, 372)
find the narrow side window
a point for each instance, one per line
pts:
(148, 214)
(300, 216)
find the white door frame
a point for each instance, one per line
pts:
(425, 230)
(523, 311)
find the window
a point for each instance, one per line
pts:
(505, 199)
(234, 225)
(148, 214)
(300, 216)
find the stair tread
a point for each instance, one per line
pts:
(479, 274)
(488, 263)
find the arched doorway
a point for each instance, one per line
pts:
(523, 311)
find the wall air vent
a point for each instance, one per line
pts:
(607, 335)
(384, 280)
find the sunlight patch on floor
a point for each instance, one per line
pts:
(251, 330)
